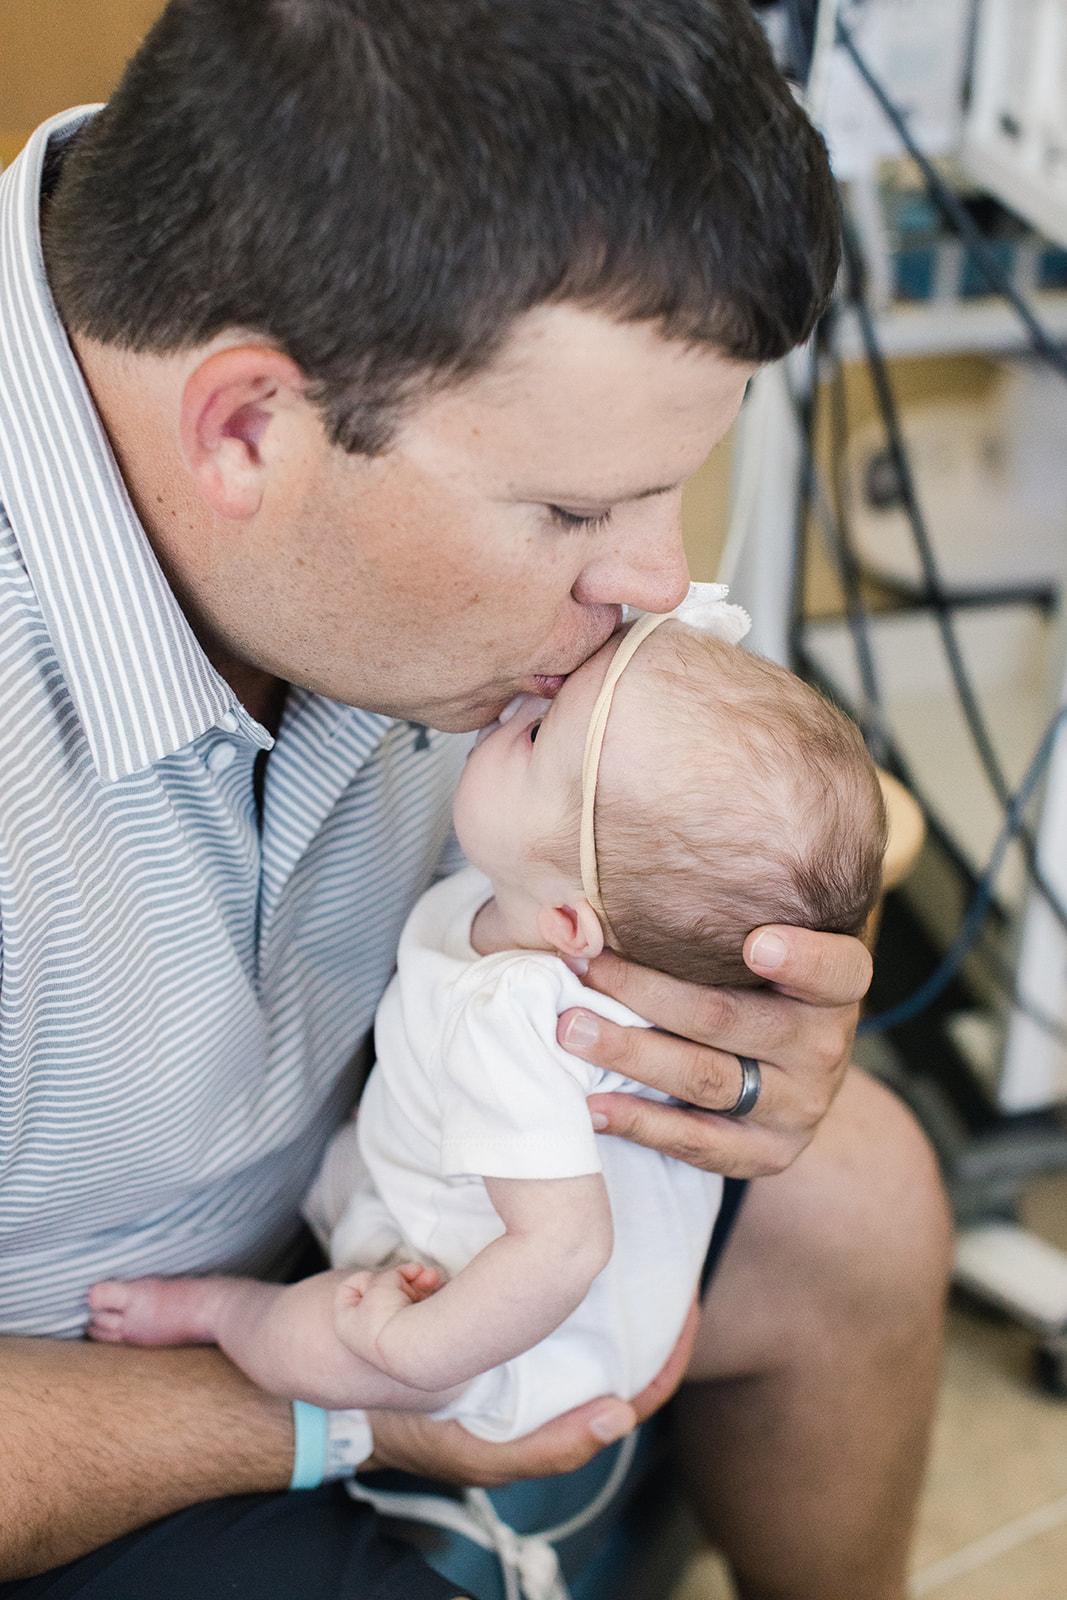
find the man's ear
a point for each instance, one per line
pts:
(572, 930)
(229, 402)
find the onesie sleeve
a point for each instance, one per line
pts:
(512, 1101)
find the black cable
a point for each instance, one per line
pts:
(847, 564)
(971, 926)
(870, 713)
(804, 406)
(836, 527)
(956, 214)
(940, 603)
(894, 761)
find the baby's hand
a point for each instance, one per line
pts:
(366, 1302)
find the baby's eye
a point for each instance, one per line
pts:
(533, 729)
(574, 519)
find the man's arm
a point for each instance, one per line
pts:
(799, 1030)
(98, 1440)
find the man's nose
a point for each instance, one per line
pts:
(641, 564)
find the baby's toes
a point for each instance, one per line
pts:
(109, 1327)
(108, 1304)
(109, 1296)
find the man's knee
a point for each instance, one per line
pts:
(851, 1243)
(864, 1208)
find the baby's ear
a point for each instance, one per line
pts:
(572, 930)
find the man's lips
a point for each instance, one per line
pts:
(548, 688)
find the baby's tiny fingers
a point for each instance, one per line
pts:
(350, 1290)
(420, 1279)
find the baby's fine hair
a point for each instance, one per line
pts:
(754, 801)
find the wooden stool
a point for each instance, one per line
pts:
(907, 833)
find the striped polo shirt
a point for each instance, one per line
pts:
(185, 987)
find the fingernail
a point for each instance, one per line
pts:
(578, 965)
(600, 1121)
(768, 952)
(615, 1422)
(582, 1031)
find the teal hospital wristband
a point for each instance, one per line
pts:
(309, 1445)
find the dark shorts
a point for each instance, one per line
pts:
(318, 1544)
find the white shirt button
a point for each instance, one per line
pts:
(221, 756)
(228, 722)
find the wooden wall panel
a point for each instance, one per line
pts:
(59, 53)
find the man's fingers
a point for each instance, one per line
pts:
(711, 1079)
(447, 1452)
(765, 1023)
(799, 1031)
(737, 1149)
(770, 1027)
(689, 1010)
(691, 1072)
(670, 1375)
(824, 969)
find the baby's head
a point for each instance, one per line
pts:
(729, 795)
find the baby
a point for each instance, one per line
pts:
(494, 1259)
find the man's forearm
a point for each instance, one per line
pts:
(96, 1440)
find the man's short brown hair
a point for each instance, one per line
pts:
(380, 188)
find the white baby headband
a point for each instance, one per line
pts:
(705, 607)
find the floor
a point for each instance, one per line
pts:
(993, 1522)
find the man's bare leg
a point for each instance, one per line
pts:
(803, 1436)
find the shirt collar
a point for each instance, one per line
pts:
(141, 684)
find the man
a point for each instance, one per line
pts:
(393, 330)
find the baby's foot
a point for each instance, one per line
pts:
(153, 1311)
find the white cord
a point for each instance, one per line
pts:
(528, 1561)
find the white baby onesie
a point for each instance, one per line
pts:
(470, 1083)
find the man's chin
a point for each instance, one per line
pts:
(461, 719)
(471, 718)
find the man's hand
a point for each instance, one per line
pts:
(800, 1031)
(447, 1452)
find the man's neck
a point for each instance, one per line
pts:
(262, 695)
(135, 399)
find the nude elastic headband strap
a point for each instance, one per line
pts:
(594, 744)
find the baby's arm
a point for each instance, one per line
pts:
(514, 1292)
(283, 1338)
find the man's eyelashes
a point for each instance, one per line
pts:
(574, 519)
